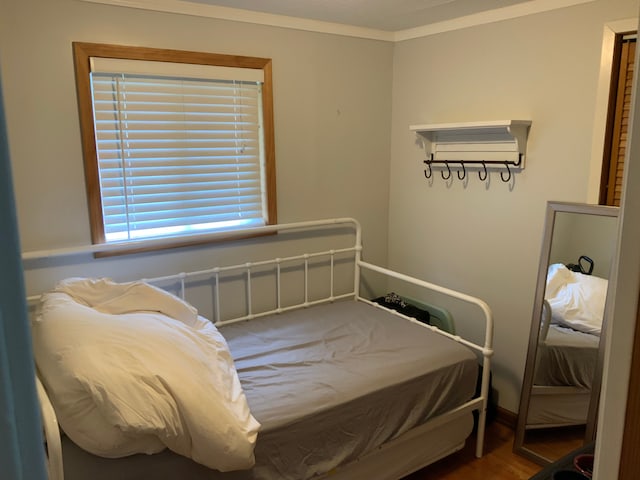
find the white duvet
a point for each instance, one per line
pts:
(577, 300)
(133, 369)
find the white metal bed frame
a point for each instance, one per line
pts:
(50, 424)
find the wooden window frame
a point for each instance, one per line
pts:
(83, 52)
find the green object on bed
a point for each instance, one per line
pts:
(439, 317)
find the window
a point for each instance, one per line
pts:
(175, 143)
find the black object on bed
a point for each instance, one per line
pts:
(399, 304)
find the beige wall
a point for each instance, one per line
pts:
(332, 118)
(481, 238)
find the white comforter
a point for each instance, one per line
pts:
(132, 369)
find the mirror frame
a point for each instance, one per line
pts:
(553, 208)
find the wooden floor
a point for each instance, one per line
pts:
(497, 463)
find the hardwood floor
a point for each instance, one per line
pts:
(497, 463)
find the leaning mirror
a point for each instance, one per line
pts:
(561, 384)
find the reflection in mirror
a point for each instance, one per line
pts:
(561, 385)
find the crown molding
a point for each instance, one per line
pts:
(490, 16)
(185, 7)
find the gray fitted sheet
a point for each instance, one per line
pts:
(567, 357)
(328, 384)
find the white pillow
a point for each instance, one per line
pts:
(131, 379)
(577, 300)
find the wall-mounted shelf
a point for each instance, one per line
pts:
(493, 144)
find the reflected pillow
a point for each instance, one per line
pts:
(577, 300)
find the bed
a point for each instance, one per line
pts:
(567, 356)
(332, 385)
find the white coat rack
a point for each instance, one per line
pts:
(497, 145)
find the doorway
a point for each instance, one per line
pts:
(615, 145)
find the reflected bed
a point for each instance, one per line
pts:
(567, 355)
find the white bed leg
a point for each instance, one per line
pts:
(482, 414)
(480, 439)
(52, 434)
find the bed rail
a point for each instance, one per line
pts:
(479, 403)
(247, 268)
(213, 276)
(51, 430)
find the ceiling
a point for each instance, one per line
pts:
(388, 20)
(385, 15)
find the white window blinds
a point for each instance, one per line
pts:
(179, 148)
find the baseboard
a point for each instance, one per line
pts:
(506, 417)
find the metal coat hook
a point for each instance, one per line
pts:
(464, 172)
(461, 170)
(480, 172)
(506, 164)
(428, 164)
(519, 162)
(448, 170)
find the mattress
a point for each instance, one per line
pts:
(567, 357)
(328, 385)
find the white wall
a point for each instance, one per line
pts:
(481, 238)
(332, 119)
